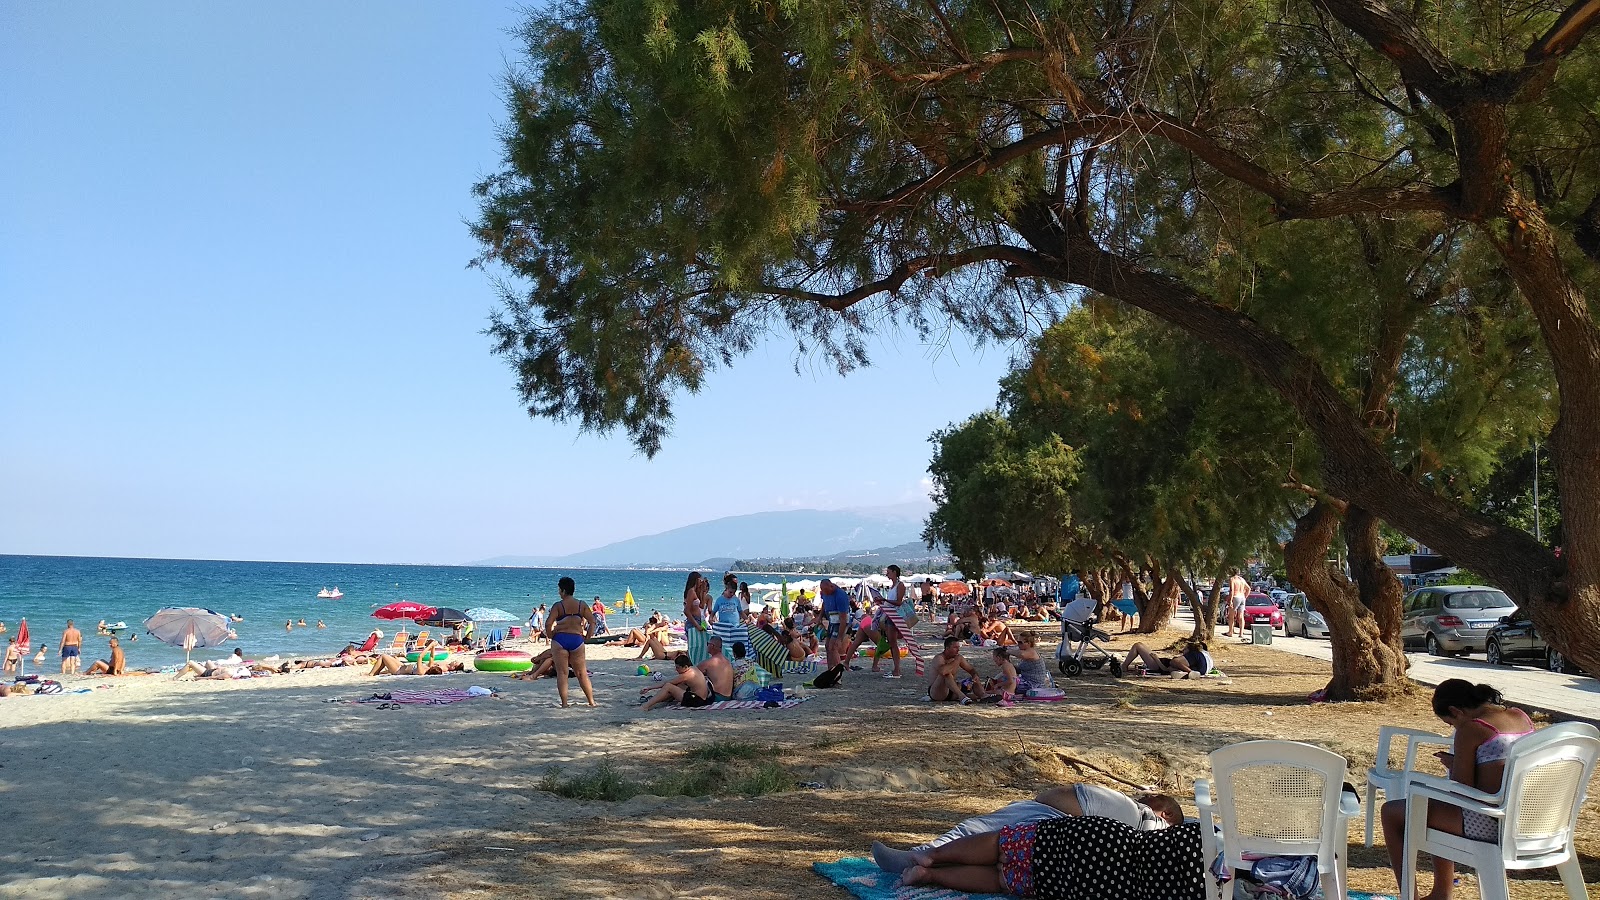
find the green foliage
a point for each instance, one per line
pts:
(721, 768)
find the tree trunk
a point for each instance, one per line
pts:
(1204, 629)
(1365, 665)
(1162, 602)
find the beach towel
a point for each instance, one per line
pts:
(750, 704)
(697, 644)
(862, 878)
(429, 698)
(737, 632)
(773, 657)
(898, 623)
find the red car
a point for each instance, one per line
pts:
(1259, 608)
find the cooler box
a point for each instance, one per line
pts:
(1260, 634)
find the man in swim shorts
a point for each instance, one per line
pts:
(112, 666)
(71, 649)
(688, 689)
(718, 671)
(836, 615)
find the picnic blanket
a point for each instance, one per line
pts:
(429, 698)
(862, 878)
(750, 704)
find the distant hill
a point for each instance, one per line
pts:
(911, 557)
(797, 533)
(533, 561)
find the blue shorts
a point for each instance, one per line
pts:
(69, 652)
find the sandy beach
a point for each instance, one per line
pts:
(263, 788)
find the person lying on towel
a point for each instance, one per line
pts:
(1064, 856)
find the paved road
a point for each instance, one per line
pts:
(1573, 695)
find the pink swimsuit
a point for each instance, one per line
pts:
(1478, 826)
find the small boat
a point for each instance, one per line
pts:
(326, 594)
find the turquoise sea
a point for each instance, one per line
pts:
(49, 590)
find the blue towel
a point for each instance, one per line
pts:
(862, 878)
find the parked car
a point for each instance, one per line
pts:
(1259, 608)
(1299, 618)
(1515, 639)
(1454, 618)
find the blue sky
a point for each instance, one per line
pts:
(236, 319)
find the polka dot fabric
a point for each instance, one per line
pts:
(1088, 858)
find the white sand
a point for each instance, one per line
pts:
(260, 788)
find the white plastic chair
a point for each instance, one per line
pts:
(1546, 777)
(1393, 781)
(1276, 798)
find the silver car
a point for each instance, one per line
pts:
(1299, 618)
(1453, 618)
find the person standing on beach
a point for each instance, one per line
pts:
(570, 622)
(71, 649)
(1238, 593)
(836, 612)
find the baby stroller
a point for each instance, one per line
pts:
(1080, 649)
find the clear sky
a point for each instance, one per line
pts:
(236, 320)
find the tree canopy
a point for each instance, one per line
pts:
(681, 178)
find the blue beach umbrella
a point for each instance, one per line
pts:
(491, 614)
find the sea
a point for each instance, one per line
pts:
(274, 597)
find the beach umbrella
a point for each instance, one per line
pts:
(490, 614)
(995, 582)
(22, 647)
(955, 588)
(188, 627)
(445, 615)
(405, 609)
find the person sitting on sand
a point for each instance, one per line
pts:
(655, 638)
(1147, 812)
(1003, 686)
(995, 629)
(1069, 856)
(946, 681)
(1194, 662)
(217, 669)
(113, 666)
(718, 671)
(1031, 670)
(688, 689)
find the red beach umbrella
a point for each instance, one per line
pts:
(405, 609)
(954, 588)
(995, 582)
(22, 647)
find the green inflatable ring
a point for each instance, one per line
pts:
(438, 655)
(502, 661)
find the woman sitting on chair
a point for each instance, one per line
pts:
(1485, 730)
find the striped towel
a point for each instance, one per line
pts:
(433, 698)
(899, 624)
(731, 634)
(749, 704)
(697, 644)
(772, 656)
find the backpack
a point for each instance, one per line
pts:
(829, 678)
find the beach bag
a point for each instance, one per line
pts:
(829, 678)
(48, 687)
(772, 693)
(908, 612)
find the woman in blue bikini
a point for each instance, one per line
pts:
(569, 622)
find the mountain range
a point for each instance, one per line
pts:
(795, 533)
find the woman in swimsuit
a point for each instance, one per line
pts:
(1485, 730)
(569, 622)
(694, 612)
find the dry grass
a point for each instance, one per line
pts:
(899, 770)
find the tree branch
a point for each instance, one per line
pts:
(977, 67)
(976, 164)
(1566, 33)
(938, 263)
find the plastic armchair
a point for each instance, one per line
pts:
(1276, 798)
(1393, 781)
(1546, 777)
